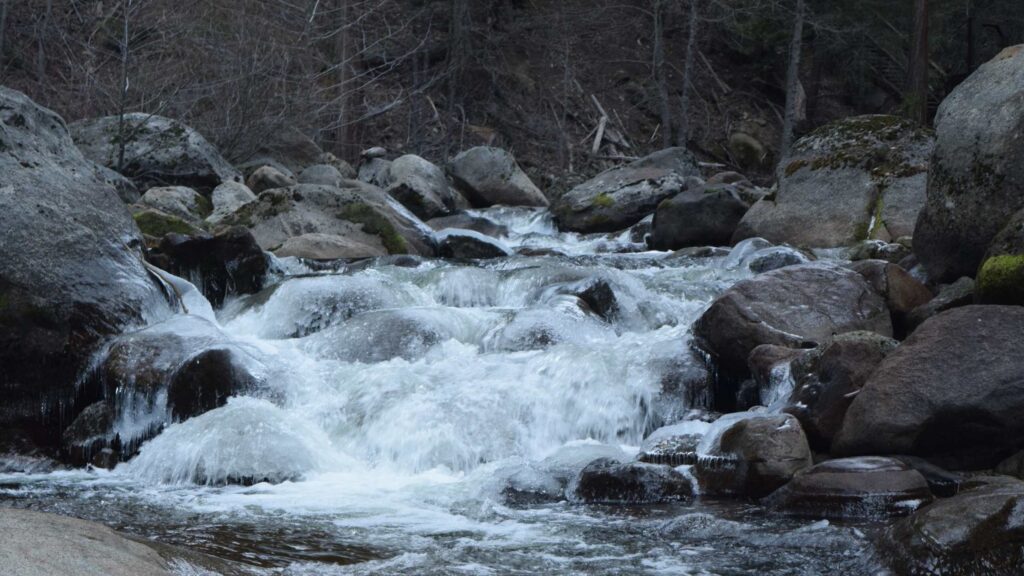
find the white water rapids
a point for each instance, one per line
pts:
(399, 404)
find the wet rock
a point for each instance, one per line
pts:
(855, 179)
(700, 216)
(205, 382)
(358, 211)
(126, 189)
(344, 168)
(955, 295)
(382, 335)
(867, 487)
(951, 392)
(775, 257)
(328, 247)
(19, 454)
(827, 379)
(464, 221)
(620, 197)
(879, 250)
(797, 307)
(606, 481)
(155, 224)
(158, 152)
(227, 199)
(976, 182)
(674, 445)
(975, 532)
(902, 292)
(72, 273)
(751, 454)
(641, 231)
(178, 201)
(455, 243)
(423, 188)
(773, 378)
(489, 176)
(942, 482)
(89, 434)
(1001, 276)
(229, 262)
(269, 178)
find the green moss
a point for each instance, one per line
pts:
(205, 206)
(604, 200)
(598, 220)
(794, 166)
(876, 218)
(375, 223)
(1001, 280)
(159, 225)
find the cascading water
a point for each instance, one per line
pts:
(400, 408)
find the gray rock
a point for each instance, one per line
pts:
(317, 246)
(72, 272)
(344, 168)
(489, 176)
(775, 257)
(422, 188)
(618, 198)
(903, 293)
(977, 531)
(878, 250)
(464, 221)
(360, 212)
(952, 392)
(750, 454)
(852, 180)
(455, 243)
(268, 178)
(796, 307)
(159, 152)
(179, 201)
(227, 199)
(867, 487)
(126, 189)
(977, 176)
(606, 481)
(376, 171)
(1001, 276)
(955, 295)
(322, 175)
(289, 150)
(704, 216)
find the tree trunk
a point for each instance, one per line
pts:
(684, 100)
(122, 132)
(659, 73)
(341, 58)
(917, 84)
(792, 80)
(456, 62)
(3, 27)
(41, 42)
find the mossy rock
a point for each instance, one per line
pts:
(157, 224)
(373, 222)
(1001, 280)
(604, 200)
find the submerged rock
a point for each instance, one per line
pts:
(465, 221)
(868, 487)
(72, 273)
(618, 198)
(976, 182)
(606, 481)
(455, 243)
(951, 392)
(490, 176)
(159, 151)
(855, 179)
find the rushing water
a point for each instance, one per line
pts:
(400, 404)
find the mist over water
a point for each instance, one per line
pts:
(398, 405)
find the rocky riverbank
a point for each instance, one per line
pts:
(854, 354)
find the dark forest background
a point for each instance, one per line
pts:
(535, 76)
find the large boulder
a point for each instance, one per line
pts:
(977, 531)
(902, 292)
(321, 174)
(268, 178)
(799, 306)
(158, 151)
(230, 262)
(867, 487)
(976, 181)
(952, 392)
(489, 176)
(826, 379)
(326, 247)
(72, 271)
(750, 454)
(228, 198)
(455, 243)
(423, 188)
(607, 481)
(857, 178)
(703, 216)
(618, 198)
(358, 211)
